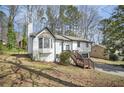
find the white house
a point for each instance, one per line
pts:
(46, 46)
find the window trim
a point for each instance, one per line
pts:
(40, 45)
(78, 44)
(87, 44)
(67, 47)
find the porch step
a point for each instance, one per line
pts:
(82, 62)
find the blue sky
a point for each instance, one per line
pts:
(106, 11)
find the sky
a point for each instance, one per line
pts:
(106, 11)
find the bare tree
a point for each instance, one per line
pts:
(52, 15)
(39, 17)
(89, 21)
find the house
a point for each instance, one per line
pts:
(46, 46)
(99, 51)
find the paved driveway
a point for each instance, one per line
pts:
(110, 69)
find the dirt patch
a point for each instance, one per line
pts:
(23, 72)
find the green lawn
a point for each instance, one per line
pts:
(5, 50)
(24, 72)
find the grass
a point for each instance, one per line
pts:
(30, 73)
(5, 50)
(108, 61)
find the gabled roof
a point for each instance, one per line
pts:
(36, 33)
(100, 46)
(61, 37)
(77, 39)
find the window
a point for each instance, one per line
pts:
(78, 44)
(87, 44)
(85, 55)
(40, 42)
(67, 47)
(46, 43)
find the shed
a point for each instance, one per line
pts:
(99, 51)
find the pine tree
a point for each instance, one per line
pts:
(114, 31)
(71, 18)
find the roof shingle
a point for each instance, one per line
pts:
(61, 37)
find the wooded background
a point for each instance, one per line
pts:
(81, 21)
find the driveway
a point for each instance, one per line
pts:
(110, 69)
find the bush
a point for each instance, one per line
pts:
(123, 59)
(113, 57)
(64, 58)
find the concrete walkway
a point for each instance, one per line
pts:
(110, 69)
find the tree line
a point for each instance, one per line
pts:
(113, 32)
(60, 19)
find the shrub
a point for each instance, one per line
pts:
(122, 59)
(64, 58)
(113, 57)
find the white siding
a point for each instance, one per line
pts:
(67, 43)
(38, 55)
(83, 48)
(58, 44)
(74, 45)
(49, 54)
